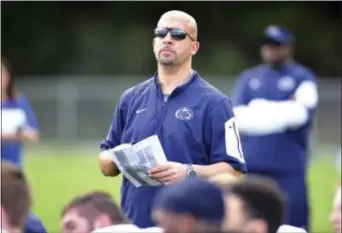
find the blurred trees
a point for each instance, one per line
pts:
(100, 38)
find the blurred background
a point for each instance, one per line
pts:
(74, 59)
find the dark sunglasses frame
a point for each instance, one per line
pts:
(176, 33)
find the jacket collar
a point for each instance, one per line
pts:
(177, 90)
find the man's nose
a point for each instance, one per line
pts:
(168, 38)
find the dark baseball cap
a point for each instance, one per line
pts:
(196, 197)
(277, 35)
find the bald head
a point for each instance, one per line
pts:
(180, 17)
(175, 42)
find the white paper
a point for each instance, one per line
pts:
(134, 161)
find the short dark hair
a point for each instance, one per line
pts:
(15, 195)
(262, 199)
(91, 205)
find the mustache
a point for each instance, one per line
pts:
(167, 49)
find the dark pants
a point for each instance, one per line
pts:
(295, 190)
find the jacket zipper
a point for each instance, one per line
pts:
(163, 115)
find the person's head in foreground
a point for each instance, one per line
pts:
(15, 198)
(175, 39)
(194, 205)
(254, 205)
(91, 211)
(277, 45)
(335, 217)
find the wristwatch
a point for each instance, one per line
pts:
(190, 173)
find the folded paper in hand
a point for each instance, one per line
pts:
(135, 160)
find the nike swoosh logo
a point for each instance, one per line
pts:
(141, 110)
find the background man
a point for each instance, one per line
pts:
(274, 106)
(193, 120)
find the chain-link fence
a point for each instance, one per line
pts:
(79, 109)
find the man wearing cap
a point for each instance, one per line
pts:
(274, 104)
(194, 205)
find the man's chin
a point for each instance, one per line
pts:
(167, 62)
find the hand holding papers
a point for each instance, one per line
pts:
(134, 161)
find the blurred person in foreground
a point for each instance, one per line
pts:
(94, 212)
(194, 205)
(18, 121)
(226, 181)
(275, 104)
(15, 199)
(193, 120)
(254, 205)
(335, 216)
(19, 124)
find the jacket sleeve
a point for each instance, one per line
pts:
(222, 137)
(281, 115)
(306, 94)
(240, 94)
(31, 118)
(117, 125)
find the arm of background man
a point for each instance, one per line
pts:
(107, 166)
(27, 124)
(281, 115)
(240, 93)
(223, 142)
(251, 118)
(31, 131)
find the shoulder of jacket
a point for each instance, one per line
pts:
(250, 72)
(211, 93)
(300, 70)
(136, 90)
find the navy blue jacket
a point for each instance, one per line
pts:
(284, 152)
(34, 225)
(191, 127)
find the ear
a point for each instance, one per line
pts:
(188, 223)
(153, 42)
(102, 220)
(257, 226)
(195, 47)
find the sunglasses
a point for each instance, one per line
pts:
(176, 34)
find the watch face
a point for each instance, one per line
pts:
(192, 173)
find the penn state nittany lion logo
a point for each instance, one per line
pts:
(184, 114)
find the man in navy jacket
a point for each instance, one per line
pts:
(274, 106)
(193, 120)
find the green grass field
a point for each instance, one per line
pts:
(56, 175)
